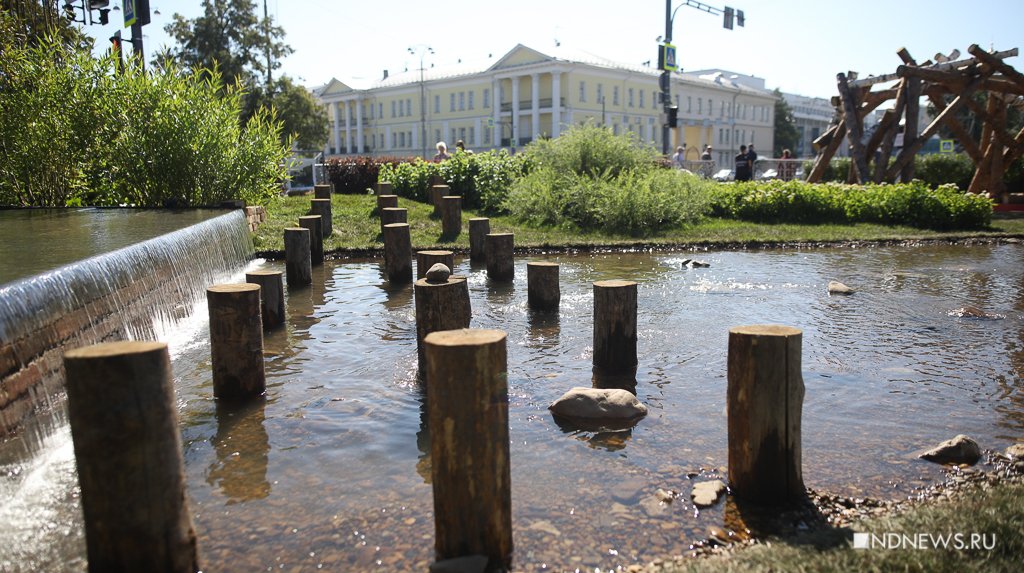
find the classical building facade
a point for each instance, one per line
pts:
(527, 94)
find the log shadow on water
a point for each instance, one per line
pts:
(797, 522)
(544, 328)
(242, 447)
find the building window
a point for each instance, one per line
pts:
(615, 129)
(401, 139)
(437, 104)
(615, 95)
(408, 107)
(451, 102)
(451, 140)
(462, 134)
(409, 138)
(380, 110)
(630, 97)
(641, 98)
(472, 134)
(487, 98)
(471, 100)
(600, 93)
(700, 106)
(462, 101)
(583, 92)
(689, 104)
(437, 135)
(394, 106)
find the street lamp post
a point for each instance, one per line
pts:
(665, 80)
(422, 50)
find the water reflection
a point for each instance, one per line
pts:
(242, 447)
(423, 467)
(544, 329)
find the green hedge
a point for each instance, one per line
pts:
(913, 204)
(935, 169)
(73, 132)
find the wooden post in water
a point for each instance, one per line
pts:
(438, 192)
(451, 216)
(271, 296)
(500, 261)
(543, 291)
(467, 402)
(764, 404)
(615, 307)
(427, 259)
(298, 260)
(384, 188)
(323, 190)
(316, 237)
(322, 207)
(398, 252)
(124, 425)
(386, 201)
(479, 228)
(389, 215)
(236, 341)
(440, 306)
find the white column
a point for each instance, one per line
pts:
(556, 104)
(496, 109)
(359, 127)
(347, 113)
(337, 127)
(535, 101)
(515, 111)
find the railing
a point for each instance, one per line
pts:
(784, 169)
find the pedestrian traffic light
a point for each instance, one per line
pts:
(673, 116)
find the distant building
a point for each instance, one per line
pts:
(527, 94)
(812, 116)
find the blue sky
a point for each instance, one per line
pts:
(796, 45)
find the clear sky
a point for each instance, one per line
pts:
(797, 46)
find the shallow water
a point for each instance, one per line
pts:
(331, 469)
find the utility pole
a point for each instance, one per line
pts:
(266, 33)
(422, 50)
(667, 59)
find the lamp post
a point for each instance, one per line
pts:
(665, 80)
(422, 50)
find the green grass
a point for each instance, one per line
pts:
(356, 228)
(997, 512)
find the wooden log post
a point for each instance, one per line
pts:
(124, 425)
(271, 296)
(323, 191)
(467, 402)
(479, 228)
(438, 192)
(543, 291)
(440, 306)
(316, 237)
(384, 188)
(386, 202)
(322, 207)
(427, 259)
(398, 252)
(298, 260)
(451, 216)
(389, 215)
(855, 127)
(236, 341)
(764, 405)
(615, 310)
(500, 258)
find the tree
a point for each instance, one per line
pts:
(786, 134)
(33, 20)
(247, 49)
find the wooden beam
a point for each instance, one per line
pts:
(908, 152)
(825, 156)
(997, 64)
(826, 138)
(937, 76)
(882, 162)
(854, 126)
(910, 126)
(935, 95)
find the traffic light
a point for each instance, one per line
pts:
(673, 116)
(740, 18)
(729, 14)
(115, 42)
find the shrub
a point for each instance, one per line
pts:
(939, 169)
(72, 132)
(357, 174)
(591, 151)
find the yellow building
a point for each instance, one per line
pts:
(527, 94)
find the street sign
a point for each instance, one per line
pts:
(667, 58)
(128, 7)
(135, 12)
(946, 146)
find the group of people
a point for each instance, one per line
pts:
(744, 166)
(442, 150)
(679, 157)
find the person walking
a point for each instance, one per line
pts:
(752, 158)
(787, 166)
(679, 157)
(442, 152)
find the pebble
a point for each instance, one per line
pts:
(438, 273)
(706, 493)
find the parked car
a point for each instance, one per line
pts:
(724, 175)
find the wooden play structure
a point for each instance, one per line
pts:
(950, 86)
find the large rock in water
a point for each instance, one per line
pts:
(598, 404)
(836, 287)
(706, 493)
(959, 450)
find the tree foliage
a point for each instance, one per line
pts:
(230, 36)
(786, 134)
(33, 20)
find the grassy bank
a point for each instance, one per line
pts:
(996, 512)
(356, 228)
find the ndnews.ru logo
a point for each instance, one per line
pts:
(955, 541)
